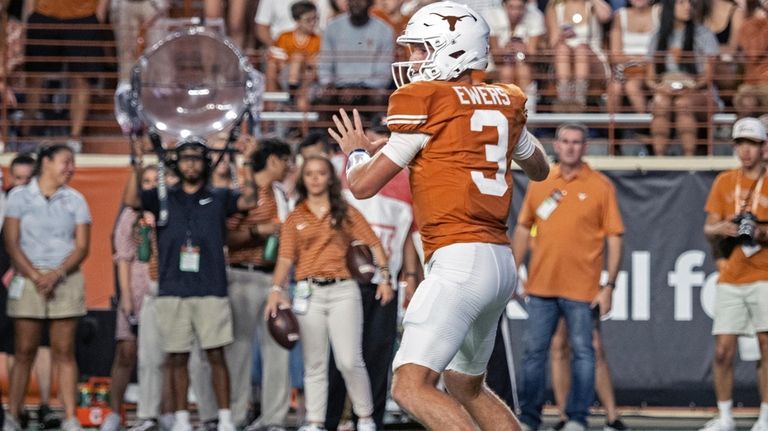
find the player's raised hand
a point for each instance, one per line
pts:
(351, 134)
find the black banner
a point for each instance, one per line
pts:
(658, 340)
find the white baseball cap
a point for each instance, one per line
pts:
(749, 128)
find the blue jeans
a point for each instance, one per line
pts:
(543, 315)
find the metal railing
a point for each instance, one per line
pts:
(26, 124)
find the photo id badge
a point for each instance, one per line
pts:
(189, 259)
(16, 288)
(750, 250)
(546, 208)
(301, 295)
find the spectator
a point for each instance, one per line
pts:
(21, 170)
(741, 297)
(630, 39)
(577, 205)
(57, 24)
(131, 20)
(724, 18)
(391, 216)
(515, 42)
(47, 232)
(155, 401)
(680, 76)
(192, 305)
(13, 52)
(250, 279)
(751, 98)
(355, 58)
(315, 238)
(315, 144)
(574, 28)
(391, 12)
(133, 281)
(298, 51)
(236, 13)
(273, 18)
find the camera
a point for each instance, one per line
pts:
(747, 223)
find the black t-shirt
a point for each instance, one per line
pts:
(201, 218)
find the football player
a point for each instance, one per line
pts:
(459, 140)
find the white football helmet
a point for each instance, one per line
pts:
(456, 39)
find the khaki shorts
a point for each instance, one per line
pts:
(206, 319)
(741, 308)
(68, 300)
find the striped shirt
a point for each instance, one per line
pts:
(316, 248)
(264, 213)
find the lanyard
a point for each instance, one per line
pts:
(757, 185)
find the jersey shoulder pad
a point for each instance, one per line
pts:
(409, 107)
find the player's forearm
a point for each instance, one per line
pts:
(520, 243)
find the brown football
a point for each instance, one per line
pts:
(360, 262)
(284, 327)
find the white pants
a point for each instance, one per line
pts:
(151, 358)
(452, 319)
(335, 313)
(248, 292)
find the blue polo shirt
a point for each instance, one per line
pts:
(199, 218)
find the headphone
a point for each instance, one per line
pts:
(173, 161)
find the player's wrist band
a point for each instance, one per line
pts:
(358, 156)
(276, 288)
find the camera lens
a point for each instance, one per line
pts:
(746, 231)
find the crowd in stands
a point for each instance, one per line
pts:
(681, 61)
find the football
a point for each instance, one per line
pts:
(360, 262)
(284, 327)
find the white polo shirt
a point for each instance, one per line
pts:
(47, 226)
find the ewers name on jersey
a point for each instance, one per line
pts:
(460, 178)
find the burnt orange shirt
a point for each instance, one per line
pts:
(753, 41)
(316, 248)
(66, 9)
(292, 45)
(740, 269)
(461, 182)
(264, 213)
(568, 257)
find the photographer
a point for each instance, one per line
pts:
(736, 221)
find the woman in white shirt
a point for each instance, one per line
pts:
(515, 41)
(630, 39)
(575, 34)
(47, 232)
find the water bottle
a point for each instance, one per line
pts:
(270, 248)
(144, 250)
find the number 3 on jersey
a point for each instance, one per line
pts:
(496, 186)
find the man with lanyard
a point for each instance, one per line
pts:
(192, 300)
(737, 211)
(577, 221)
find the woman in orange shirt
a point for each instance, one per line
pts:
(315, 238)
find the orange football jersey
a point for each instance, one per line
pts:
(460, 180)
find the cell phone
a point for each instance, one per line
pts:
(567, 31)
(596, 316)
